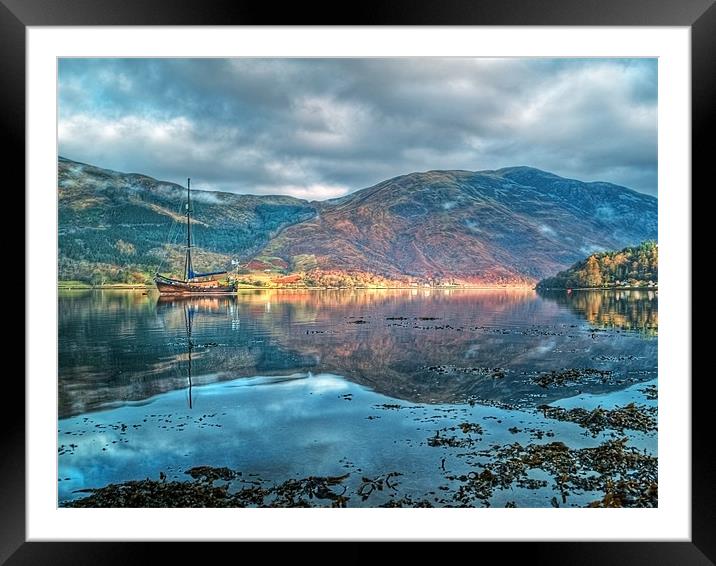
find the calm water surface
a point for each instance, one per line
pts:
(285, 384)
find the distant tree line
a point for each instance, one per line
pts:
(635, 266)
(320, 278)
(94, 273)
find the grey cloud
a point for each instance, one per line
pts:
(336, 125)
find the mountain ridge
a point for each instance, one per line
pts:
(557, 221)
(494, 226)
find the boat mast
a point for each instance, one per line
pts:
(188, 269)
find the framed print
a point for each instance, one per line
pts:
(290, 282)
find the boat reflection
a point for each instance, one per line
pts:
(190, 306)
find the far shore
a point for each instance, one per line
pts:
(126, 286)
(80, 285)
(75, 285)
(620, 288)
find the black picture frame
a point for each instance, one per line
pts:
(17, 15)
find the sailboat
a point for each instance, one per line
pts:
(192, 283)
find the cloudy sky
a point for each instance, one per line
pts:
(320, 128)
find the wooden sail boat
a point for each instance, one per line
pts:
(193, 283)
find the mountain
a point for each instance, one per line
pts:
(635, 266)
(509, 225)
(120, 226)
(512, 225)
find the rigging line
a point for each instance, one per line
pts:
(165, 252)
(195, 218)
(170, 239)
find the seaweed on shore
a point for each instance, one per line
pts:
(651, 393)
(210, 474)
(573, 375)
(631, 417)
(152, 493)
(454, 441)
(203, 493)
(626, 476)
(449, 369)
(407, 501)
(293, 493)
(369, 485)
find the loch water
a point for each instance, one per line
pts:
(281, 384)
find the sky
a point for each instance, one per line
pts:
(321, 128)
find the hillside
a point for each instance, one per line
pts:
(636, 266)
(119, 226)
(513, 225)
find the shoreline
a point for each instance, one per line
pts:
(645, 288)
(118, 286)
(129, 287)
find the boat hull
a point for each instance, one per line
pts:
(175, 287)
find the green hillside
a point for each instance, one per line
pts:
(119, 227)
(636, 266)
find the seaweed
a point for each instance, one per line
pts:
(369, 485)
(631, 417)
(203, 493)
(651, 393)
(573, 375)
(448, 369)
(626, 476)
(454, 441)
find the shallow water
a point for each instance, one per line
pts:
(287, 384)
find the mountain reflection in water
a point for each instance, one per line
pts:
(418, 345)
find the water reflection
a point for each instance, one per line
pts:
(188, 318)
(625, 309)
(420, 345)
